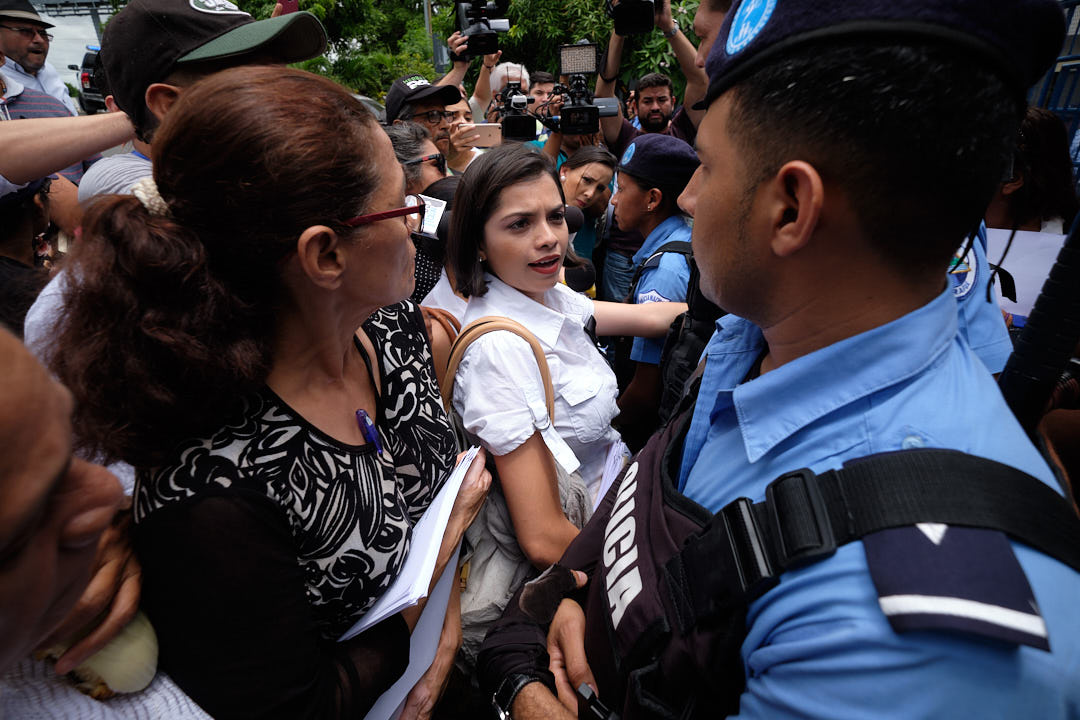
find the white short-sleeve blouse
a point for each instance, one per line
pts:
(499, 393)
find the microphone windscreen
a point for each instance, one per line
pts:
(574, 218)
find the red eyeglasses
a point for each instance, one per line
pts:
(414, 205)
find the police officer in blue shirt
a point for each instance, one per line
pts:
(869, 137)
(847, 152)
(652, 173)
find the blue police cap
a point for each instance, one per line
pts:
(1019, 38)
(660, 161)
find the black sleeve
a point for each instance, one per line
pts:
(226, 595)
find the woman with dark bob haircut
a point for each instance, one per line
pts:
(236, 330)
(508, 238)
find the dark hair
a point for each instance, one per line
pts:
(916, 136)
(477, 197)
(408, 139)
(444, 189)
(170, 319)
(588, 154)
(1042, 160)
(654, 80)
(717, 5)
(540, 76)
(669, 194)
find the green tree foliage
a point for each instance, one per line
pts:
(372, 42)
(539, 27)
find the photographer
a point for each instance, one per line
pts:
(655, 97)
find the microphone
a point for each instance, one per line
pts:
(574, 218)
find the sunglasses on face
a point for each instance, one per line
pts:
(30, 33)
(440, 161)
(413, 212)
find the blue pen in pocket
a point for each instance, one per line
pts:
(367, 427)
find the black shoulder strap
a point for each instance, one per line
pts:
(682, 247)
(805, 517)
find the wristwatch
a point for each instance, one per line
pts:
(503, 699)
(668, 34)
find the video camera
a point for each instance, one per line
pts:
(480, 21)
(581, 115)
(517, 123)
(632, 17)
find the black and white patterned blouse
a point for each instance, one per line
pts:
(350, 510)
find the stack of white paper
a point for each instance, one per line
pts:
(411, 585)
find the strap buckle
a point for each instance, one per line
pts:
(798, 521)
(748, 548)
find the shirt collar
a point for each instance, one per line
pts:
(781, 402)
(500, 299)
(14, 87)
(660, 235)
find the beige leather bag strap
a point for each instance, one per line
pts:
(482, 326)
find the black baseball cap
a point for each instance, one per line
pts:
(414, 88)
(22, 10)
(1019, 39)
(149, 39)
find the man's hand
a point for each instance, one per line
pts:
(566, 650)
(663, 20)
(462, 137)
(458, 45)
(109, 602)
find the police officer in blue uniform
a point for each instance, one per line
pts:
(652, 173)
(847, 152)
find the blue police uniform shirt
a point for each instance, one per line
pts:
(665, 282)
(819, 644)
(981, 321)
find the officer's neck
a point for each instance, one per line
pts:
(828, 310)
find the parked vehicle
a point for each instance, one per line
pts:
(90, 84)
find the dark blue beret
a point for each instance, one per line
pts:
(1019, 38)
(659, 160)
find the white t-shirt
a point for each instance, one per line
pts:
(499, 392)
(114, 175)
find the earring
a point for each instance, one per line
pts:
(483, 257)
(563, 178)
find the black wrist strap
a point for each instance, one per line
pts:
(503, 699)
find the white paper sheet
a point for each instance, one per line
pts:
(1029, 261)
(617, 458)
(422, 646)
(412, 582)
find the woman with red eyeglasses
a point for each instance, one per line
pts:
(238, 333)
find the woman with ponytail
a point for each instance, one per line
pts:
(237, 331)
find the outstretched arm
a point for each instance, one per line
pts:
(605, 86)
(34, 148)
(697, 82)
(647, 320)
(458, 44)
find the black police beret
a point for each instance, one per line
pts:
(659, 160)
(1019, 38)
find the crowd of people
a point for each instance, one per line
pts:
(729, 359)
